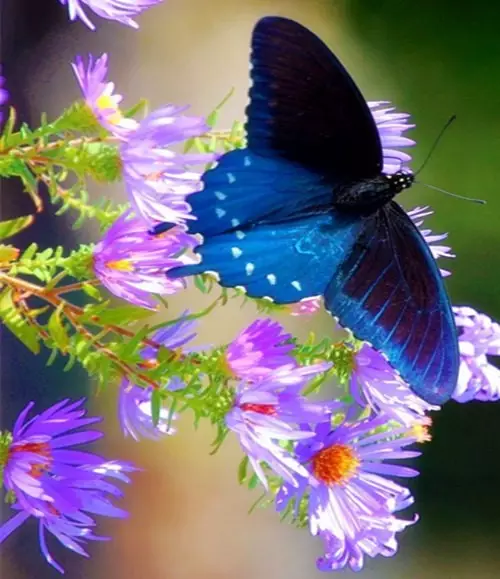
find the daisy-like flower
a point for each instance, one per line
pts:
(99, 95)
(122, 11)
(51, 481)
(131, 262)
(417, 215)
(261, 347)
(134, 403)
(478, 379)
(4, 95)
(391, 125)
(351, 502)
(156, 177)
(375, 384)
(271, 411)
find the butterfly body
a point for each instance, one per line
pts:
(306, 210)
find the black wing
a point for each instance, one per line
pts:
(305, 107)
(390, 292)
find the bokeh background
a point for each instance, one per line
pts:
(188, 517)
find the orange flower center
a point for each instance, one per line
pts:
(336, 464)
(40, 448)
(267, 409)
(421, 432)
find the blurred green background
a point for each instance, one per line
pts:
(432, 59)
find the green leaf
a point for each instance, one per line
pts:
(242, 470)
(92, 291)
(17, 323)
(142, 105)
(13, 226)
(57, 331)
(214, 115)
(155, 407)
(120, 314)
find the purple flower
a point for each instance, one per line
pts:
(417, 215)
(376, 385)
(122, 11)
(258, 349)
(270, 411)
(60, 486)
(156, 177)
(99, 95)
(131, 262)
(391, 125)
(134, 403)
(306, 307)
(351, 503)
(479, 338)
(4, 95)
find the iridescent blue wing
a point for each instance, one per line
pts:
(285, 261)
(305, 107)
(389, 291)
(308, 130)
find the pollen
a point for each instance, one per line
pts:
(106, 103)
(421, 431)
(120, 265)
(266, 409)
(336, 464)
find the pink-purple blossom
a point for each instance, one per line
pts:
(131, 262)
(123, 11)
(61, 486)
(134, 402)
(270, 412)
(478, 378)
(261, 347)
(351, 498)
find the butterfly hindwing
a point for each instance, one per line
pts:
(287, 262)
(389, 291)
(245, 188)
(305, 107)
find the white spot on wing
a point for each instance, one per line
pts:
(236, 251)
(247, 161)
(212, 274)
(220, 195)
(239, 234)
(271, 278)
(235, 222)
(231, 178)
(297, 286)
(249, 268)
(220, 212)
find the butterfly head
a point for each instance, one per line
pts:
(399, 181)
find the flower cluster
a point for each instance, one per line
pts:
(328, 464)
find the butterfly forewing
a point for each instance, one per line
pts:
(305, 107)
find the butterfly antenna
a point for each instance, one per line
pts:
(436, 142)
(479, 201)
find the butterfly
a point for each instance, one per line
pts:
(306, 210)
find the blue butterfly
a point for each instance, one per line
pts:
(305, 210)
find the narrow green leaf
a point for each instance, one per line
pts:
(155, 407)
(92, 291)
(57, 331)
(8, 253)
(123, 314)
(17, 323)
(242, 470)
(13, 226)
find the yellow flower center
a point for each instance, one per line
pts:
(336, 464)
(105, 102)
(421, 431)
(120, 265)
